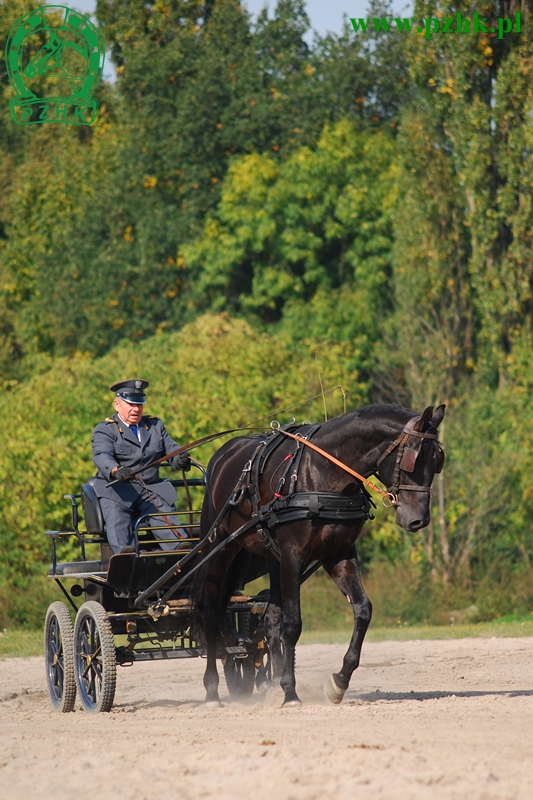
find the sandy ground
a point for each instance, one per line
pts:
(423, 719)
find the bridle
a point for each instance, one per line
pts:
(406, 459)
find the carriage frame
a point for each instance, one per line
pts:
(127, 614)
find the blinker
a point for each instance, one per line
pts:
(408, 461)
(440, 464)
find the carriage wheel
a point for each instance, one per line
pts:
(240, 675)
(238, 671)
(95, 658)
(263, 677)
(59, 657)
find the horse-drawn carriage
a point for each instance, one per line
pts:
(124, 618)
(272, 507)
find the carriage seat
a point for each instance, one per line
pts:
(92, 511)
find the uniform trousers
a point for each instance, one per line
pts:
(120, 520)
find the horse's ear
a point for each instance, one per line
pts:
(438, 416)
(421, 423)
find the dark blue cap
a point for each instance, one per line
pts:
(131, 391)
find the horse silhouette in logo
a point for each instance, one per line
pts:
(71, 60)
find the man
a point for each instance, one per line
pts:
(121, 444)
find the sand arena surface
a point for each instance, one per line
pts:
(423, 719)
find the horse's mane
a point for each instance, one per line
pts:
(388, 415)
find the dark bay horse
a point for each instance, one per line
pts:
(396, 444)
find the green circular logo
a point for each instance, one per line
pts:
(72, 59)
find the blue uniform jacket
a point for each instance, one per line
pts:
(115, 445)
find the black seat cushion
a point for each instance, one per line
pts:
(92, 511)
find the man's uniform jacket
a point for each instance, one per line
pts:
(114, 444)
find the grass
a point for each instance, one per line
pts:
(22, 644)
(402, 633)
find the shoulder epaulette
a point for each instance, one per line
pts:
(150, 416)
(109, 419)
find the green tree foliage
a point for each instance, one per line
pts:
(194, 91)
(306, 240)
(463, 230)
(462, 282)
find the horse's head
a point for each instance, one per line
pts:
(408, 465)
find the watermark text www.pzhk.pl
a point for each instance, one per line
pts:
(432, 25)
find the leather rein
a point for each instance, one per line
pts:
(401, 443)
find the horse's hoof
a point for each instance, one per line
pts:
(332, 691)
(292, 703)
(211, 705)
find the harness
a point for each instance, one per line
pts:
(296, 505)
(293, 506)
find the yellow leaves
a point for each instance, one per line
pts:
(127, 235)
(113, 303)
(149, 182)
(308, 70)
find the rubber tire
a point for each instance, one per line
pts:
(93, 638)
(59, 648)
(240, 672)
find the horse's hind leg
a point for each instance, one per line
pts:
(291, 626)
(273, 620)
(215, 597)
(346, 575)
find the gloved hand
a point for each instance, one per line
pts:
(183, 461)
(122, 474)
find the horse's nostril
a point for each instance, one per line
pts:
(416, 524)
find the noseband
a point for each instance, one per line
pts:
(406, 458)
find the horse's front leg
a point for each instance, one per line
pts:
(290, 570)
(346, 575)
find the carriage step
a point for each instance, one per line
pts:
(125, 657)
(78, 569)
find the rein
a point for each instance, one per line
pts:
(392, 492)
(182, 449)
(340, 464)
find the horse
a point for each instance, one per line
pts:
(398, 445)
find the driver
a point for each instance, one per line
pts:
(121, 444)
